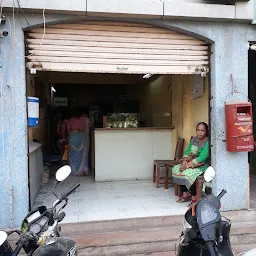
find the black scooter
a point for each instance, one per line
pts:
(205, 232)
(40, 232)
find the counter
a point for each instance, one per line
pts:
(129, 153)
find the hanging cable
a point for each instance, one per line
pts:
(18, 1)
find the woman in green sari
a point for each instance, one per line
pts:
(194, 162)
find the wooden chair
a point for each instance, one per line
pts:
(199, 187)
(167, 164)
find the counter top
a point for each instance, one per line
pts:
(134, 129)
(33, 146)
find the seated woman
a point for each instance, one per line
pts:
(194, 162)
(78, 129)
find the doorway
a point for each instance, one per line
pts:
(154, 73)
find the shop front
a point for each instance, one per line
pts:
(176, 54)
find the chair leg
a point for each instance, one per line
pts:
(158, 176)
(166, 178)
(176, 187)
(154, 174)
(178, 190)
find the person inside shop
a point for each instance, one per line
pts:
(62, 133)
(193, 164)
(78, 133)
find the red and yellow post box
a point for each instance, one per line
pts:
(239, 127)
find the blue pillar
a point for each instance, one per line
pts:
(13, 128)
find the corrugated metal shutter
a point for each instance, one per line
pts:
(114, 47)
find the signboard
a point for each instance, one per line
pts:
(61, 102)
(197, 86)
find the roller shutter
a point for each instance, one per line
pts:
(114, 47)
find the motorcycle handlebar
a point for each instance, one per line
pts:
(221, 194)
(70, 191)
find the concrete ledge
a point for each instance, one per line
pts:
(66, 5)
(132, 7)
(157, 9)
(197, 10)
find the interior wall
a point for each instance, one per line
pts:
(34, 84)
(155, 101)
(187, 112)
(92, 78)
(85, 95)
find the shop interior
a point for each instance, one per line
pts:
(171, 104)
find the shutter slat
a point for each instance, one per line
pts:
(117, 34)
(116, 55)
(116, 61)
(100, 68)
(95, 49)
(117, 45)
(102, 38)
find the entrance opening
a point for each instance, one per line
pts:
(252, 97)
(137, 121)
(142, 87)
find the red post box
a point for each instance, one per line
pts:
(239, 127)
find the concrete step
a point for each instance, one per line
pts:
(150, 248)
(150, 236)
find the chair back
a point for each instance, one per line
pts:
(179, 149)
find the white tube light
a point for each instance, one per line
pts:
(53, 89)
(253, 47)
(147, 76)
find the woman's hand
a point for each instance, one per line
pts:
(183, 166)
(191, 164)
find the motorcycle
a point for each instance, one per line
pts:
(205, 232)
(40, 230)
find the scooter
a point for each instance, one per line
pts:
(40, 231)
(205, 232)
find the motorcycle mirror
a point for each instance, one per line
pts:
(63, 173)
(3, 237)
(209, 174)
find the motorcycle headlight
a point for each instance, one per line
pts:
(35, 228)
(208, 213)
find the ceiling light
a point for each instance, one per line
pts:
(253, 47)
(147, 76)
(53, 89)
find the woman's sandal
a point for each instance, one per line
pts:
(184, 199)
(192, 203)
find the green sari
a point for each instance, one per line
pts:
(201, 153)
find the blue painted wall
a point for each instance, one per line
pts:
(13, 131)
(229, 55)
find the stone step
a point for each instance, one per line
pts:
(150, 248)
(121, 224)
(150, 236)
(147, 222)
(241, 232)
